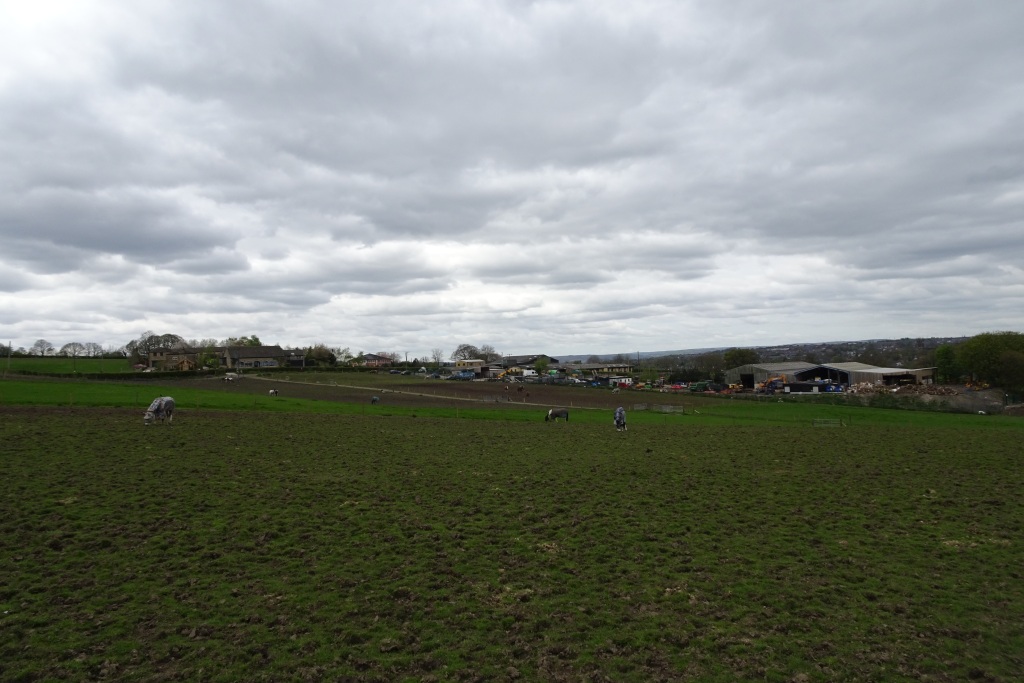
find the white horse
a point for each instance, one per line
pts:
(273, 392)
(161, 408)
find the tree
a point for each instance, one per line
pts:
(946, 370)
(733, 358)
(321, 354)
(982, 356)
(342, 355)
(251, 340)
(710, 364)
(1012, 363)
(541, 366)
(72, 350)
(437, 355)
(488, 354)
(138, 349)
(685, 375)
(93, 349)
(594, 360)
(465, 352)
(42, 348)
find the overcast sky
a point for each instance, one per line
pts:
(545, 177)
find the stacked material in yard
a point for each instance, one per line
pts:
(904, 389)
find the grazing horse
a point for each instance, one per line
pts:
(375, 400)
(556, 413)
(160, 409)
(620, 419)
(273, 392)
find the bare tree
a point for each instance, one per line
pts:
(138, 349)
(72, 350)
(42, 348)
(437, 355)
(466, 352)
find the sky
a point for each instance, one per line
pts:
(554, 177)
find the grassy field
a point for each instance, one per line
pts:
(64, 366)
(242, 543)
(350, 394)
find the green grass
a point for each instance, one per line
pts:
(699, 410)
(139, 394)
(65, 366)
(251, 545)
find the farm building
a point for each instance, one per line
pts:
(752, 375)
(373, 360)
(859, 373)
(838, 373)
(253, 356)
(475, 365)
(229, 357)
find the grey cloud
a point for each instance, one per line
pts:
(149, 228)
(13, 279)
(267, 162)
(201, 262)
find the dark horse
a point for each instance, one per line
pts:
(556, 413)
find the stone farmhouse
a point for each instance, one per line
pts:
(232, 357)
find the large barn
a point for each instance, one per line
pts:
(859, 373)
(839, 373)
(756, 373)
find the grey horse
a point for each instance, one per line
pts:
(556, 413)
(620, 419)
(161, 408)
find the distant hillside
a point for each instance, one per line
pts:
(782, 352)
(633, 355)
